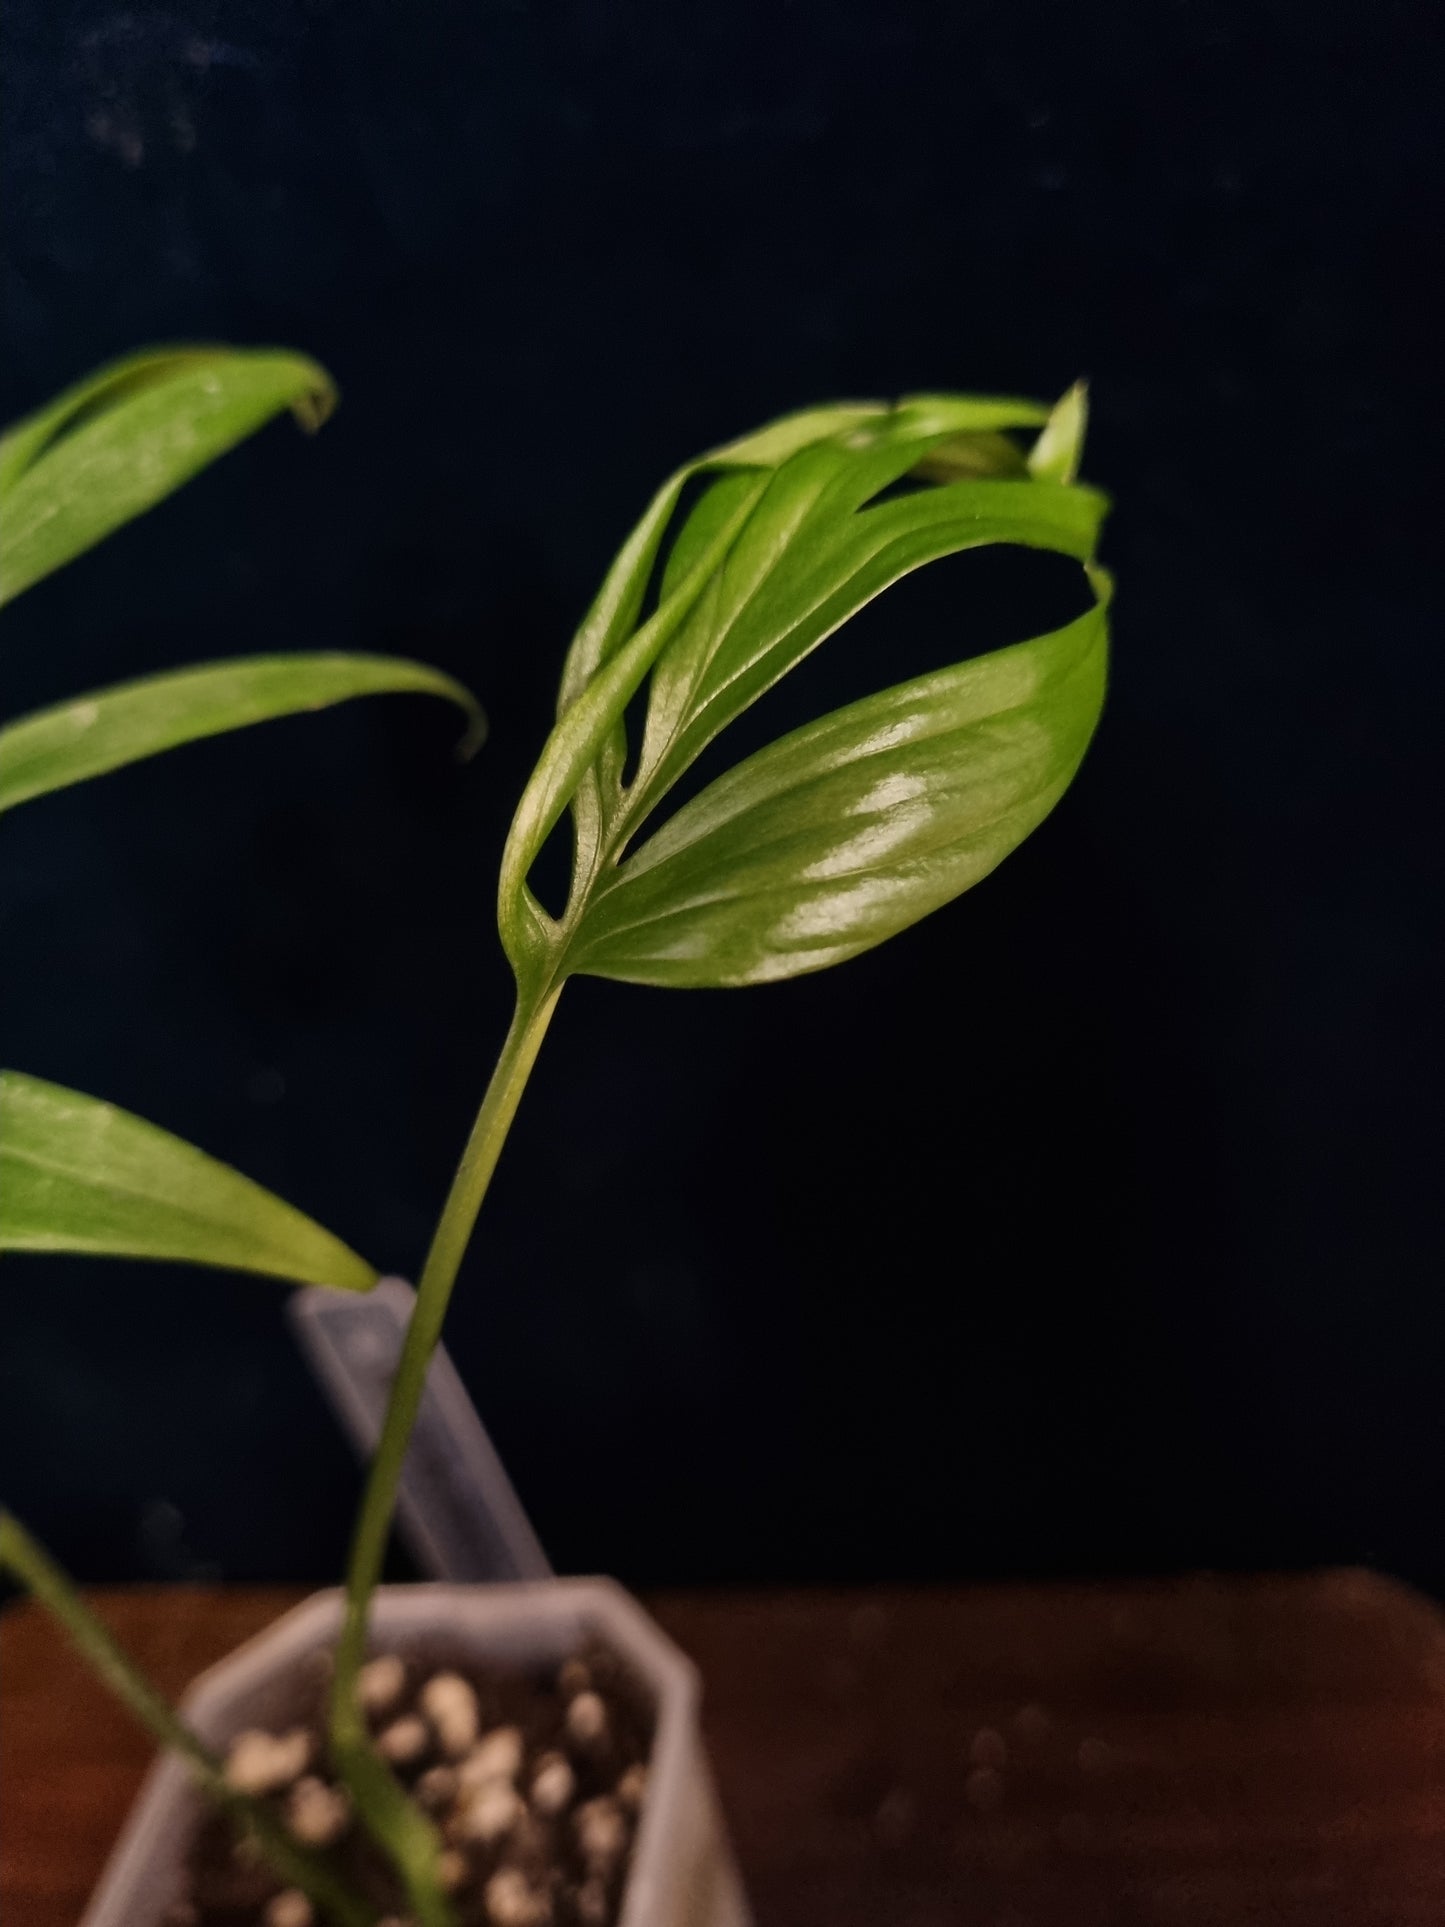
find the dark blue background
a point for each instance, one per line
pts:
(1094, 1224)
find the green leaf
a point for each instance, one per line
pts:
(846, 831)
(126, 437)
(89, 735)
(80, 1175)
(781, 548)
(23, 440)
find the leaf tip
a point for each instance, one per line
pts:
(361, 1279)
(475, 733)
(1055, 456)
(315, 404)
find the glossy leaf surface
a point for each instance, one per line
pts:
(80, 1175)
(91, 734)
(123, 439)
(866, 445)
(846, 831)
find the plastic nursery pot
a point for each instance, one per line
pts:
(682, 1872)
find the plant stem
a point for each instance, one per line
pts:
(406, 1832)
(32, 1566)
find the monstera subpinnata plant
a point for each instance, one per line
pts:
(809, 851)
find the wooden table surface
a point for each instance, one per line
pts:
(1205, 1753)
